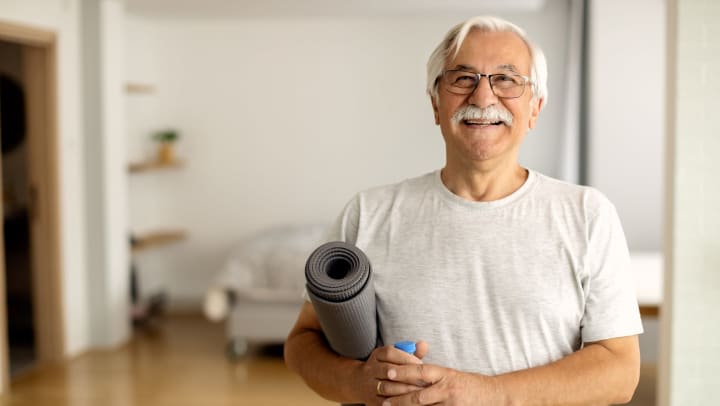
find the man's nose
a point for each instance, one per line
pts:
(483, 95)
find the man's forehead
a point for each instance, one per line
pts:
(502, 50)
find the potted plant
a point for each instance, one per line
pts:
(166, 139)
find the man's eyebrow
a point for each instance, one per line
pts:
(505, 66)
(465, 67)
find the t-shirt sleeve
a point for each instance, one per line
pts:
(611, 308)
(345, 228)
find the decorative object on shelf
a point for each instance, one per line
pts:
(166, 139)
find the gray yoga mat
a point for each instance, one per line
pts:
(339, 283)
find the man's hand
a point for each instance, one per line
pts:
(372, 376)
(601, 373)
(442, 386)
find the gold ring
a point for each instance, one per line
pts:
(378, 387)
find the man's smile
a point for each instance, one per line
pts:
(481, 123)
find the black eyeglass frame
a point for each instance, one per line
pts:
(528, 81)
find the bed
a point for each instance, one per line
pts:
(259, 289)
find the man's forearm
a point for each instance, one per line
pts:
(328, 374)
(595, 375)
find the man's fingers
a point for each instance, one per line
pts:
(427, 396)
(390, 388)
(417, 374)
(395, 356)
(421, 349)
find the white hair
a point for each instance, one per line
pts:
(450, 45)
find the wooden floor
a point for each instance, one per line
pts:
(182, 362)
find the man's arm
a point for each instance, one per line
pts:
(338, 378)
(602, 373)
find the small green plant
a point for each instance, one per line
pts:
(166, 136)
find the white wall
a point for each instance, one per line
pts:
(115, 169)
(62, 17)
(690, 351)
(283, 120)
(105, 168)
(626, 125)
(626, 101)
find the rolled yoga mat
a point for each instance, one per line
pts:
(339, 283)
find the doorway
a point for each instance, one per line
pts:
(31, 322)
(16, 211)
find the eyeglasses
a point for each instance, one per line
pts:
(503, 85)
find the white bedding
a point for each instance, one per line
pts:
(269, 265)
(648, 272)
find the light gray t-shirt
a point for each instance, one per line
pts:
(494, 286)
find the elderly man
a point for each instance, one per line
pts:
(513, 284)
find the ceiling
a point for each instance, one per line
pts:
(320, 8)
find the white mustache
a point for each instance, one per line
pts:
(490, 113)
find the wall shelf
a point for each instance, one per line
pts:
(136, 167)
(154, 239)
(139, 88)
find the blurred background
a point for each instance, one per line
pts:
(174, 161)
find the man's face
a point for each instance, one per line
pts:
(468, 143)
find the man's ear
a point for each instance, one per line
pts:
(435, 110)
(535, 106)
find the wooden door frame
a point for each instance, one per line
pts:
(39, 58)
